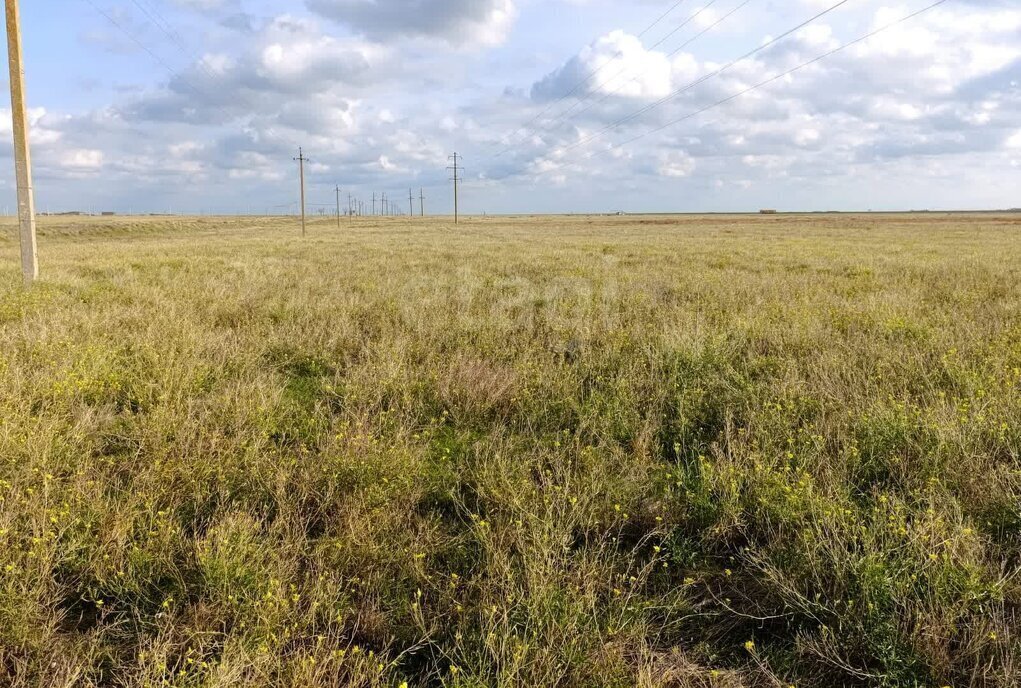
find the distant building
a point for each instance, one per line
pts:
(768, 211)
(107, 213)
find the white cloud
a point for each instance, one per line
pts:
(676, 164)
(460, 22)
(82, 159)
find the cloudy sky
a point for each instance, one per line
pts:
(556, 105)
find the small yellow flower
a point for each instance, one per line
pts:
(750, 646)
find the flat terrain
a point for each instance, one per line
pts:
(630, 451)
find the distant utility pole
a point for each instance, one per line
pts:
(338, 207)
(301, 167)
(22, 154)
(456, 169)
(374, 204)
(411, 203)
(350, 207)
(383, 209)
(421, 201)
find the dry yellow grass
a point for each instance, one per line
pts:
(639, 451)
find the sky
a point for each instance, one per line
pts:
(562, 106)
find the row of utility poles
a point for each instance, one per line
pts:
(355, 207)
(387, 208)
(23, 163)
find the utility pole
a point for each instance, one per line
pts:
(301, 166)
(338, 207)
(374, 204)
(411, 203)
(383, 209)
(421, 201)
(22, 154)
(456, 181)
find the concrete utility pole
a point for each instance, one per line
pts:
(374, 204)
(338, 207)
(22, 154)
(411, 203)
(421, 201)
(456, 181)
(301, 166)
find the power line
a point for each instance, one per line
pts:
(137, 42)
(155, 11)
(163, 25)
(777, 77)
(661, 17)
(704, 78)
(159, 60)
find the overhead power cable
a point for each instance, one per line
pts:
(706, 77)
(774, 78)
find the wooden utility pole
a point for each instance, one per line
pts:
(421, 201)
(456, 169)
(301, 167)
(22, 154)
(338, 207)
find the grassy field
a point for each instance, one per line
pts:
(575, 452)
